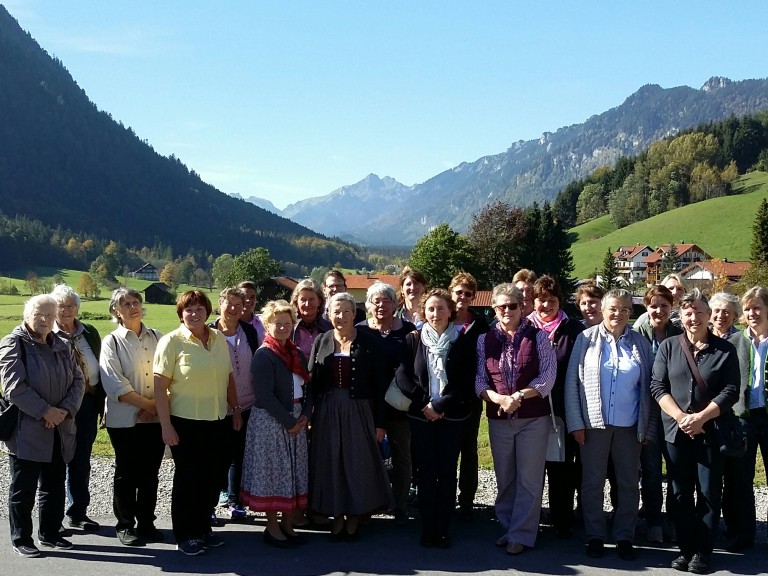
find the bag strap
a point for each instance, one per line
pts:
(552, 412)
(692, 364)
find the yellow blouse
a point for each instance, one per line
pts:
(199, 376)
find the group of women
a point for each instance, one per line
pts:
(286, 410)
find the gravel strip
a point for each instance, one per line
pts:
(102, 471)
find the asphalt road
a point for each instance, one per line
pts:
(382, 549)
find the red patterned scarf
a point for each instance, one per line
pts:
(289, 354)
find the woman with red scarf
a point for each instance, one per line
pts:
(562, 331)
(275, 464)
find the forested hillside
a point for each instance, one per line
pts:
(66, 166)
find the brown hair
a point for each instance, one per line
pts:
(190, 297)
(334, 274)
(658, 291)
(406, 273)
(589, 289)
(547, 286)
(465, 279)
(444, 295)
(524, 275)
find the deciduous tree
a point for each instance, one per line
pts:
(255, 265)
(441, 254)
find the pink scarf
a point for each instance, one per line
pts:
(549, 327)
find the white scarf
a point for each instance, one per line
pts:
(437, 353)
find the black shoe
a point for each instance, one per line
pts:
(276, 542)
(150, 534)
(191, 547)
(698, 565)
(56, 542)
(294, 538)
(680, 563)
(595, 548)
(210, 540)
(738, 544)
(127, 537)
(626, 550)
(466, 513)
(26, 550)
(84, 523)
(428, 541)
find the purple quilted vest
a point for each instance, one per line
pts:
(526, 369)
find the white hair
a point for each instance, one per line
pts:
(34, 302)
(62, 292)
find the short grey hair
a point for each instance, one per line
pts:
(379, 288)
(34, 302)
(506, 289)
(616, 294)
(117, 299)
(342, 297)
(690, 298)
(725, 298)
(62, 292)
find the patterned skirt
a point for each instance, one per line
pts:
(275, 465)
(348, 475)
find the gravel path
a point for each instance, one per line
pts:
(101, 493)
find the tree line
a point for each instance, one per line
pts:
(692, 166)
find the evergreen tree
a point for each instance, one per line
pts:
(669, 260)
(610, 271)
(499, 237)
(759, 246)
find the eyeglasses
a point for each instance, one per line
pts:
(503, 307)
(622, 311)
(463, 293)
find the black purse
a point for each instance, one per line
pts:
(9, 417)
(731, 439)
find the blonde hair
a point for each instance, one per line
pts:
(274, 308)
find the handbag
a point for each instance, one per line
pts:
(9, 413)
(395, 397)
(729, 433)
(556, 437)
(9, 417)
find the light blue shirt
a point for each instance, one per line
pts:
(619, 383)
(757, 392)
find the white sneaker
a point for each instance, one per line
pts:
(655, 534)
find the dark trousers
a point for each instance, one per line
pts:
(138, 455)
(197, 462)
(469, 463)
(739, 478)
(437, 449)
(695, 463)
(563, 479)
(27, 478)
(237, 451)
(79, 469)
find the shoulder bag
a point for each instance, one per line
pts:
(556, 438)
(731, 439)
(9, 413)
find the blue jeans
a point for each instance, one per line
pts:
(79, 469)
(693, 462)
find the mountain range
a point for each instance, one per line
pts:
(378, 211)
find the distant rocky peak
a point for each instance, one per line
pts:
(715, 83)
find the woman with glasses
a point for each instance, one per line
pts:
(381, 302)
(561, 332)
(462, 288)
(608, 409)
(516, 370)
(132, 423)
(242, 342)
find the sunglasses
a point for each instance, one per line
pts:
(503, 307)
(463, 293)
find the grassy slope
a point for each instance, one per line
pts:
(722, 227)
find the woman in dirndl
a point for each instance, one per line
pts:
(275, 464)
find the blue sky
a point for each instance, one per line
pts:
(287, 100)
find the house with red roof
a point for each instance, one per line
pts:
(687, 254)
(630, 261)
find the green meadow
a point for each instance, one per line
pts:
(721, 226)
